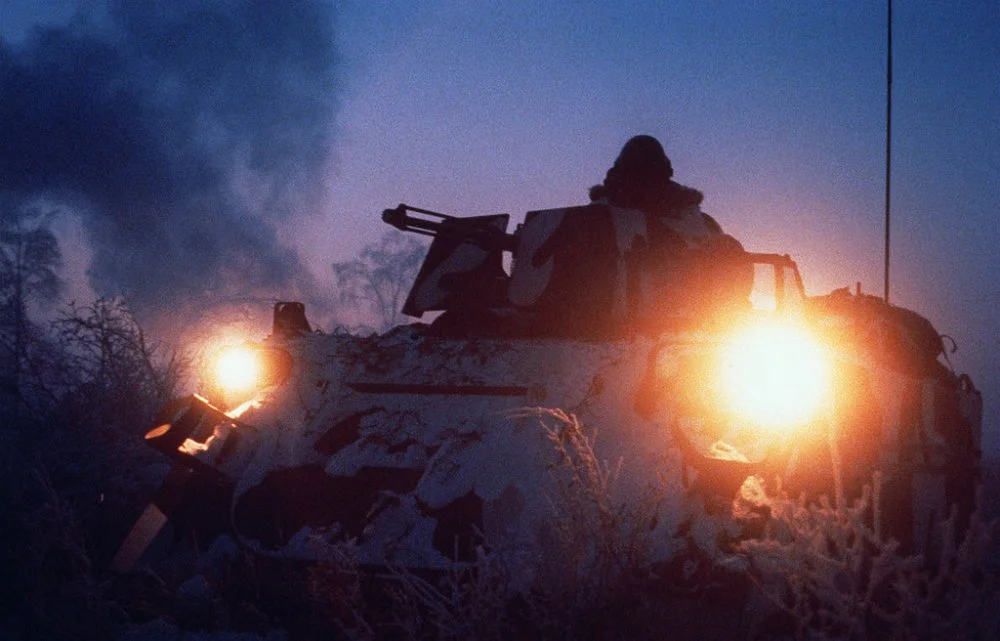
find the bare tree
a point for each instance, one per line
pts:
(375, 283)
(116, 374)
(29, 260)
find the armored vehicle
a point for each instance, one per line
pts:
(695, 363)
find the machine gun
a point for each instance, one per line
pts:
(463, 269)
(483, 231)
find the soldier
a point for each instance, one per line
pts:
(641, 178)
(693, 265)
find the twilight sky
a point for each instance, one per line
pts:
(775, 110)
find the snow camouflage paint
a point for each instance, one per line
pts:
(438, 436)
(429, 440)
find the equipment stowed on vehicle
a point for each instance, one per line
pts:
(699, 364)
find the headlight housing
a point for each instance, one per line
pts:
(742, 394)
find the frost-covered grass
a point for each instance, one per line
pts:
(829, 573)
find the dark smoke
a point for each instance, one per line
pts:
(184, 133)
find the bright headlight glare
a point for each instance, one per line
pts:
(775, 375)
(238, 369)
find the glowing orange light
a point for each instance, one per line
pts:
(238, 369)
(775, 375)
(241, 409)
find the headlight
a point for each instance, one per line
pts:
(238, 369)
(774, 375)
(742, 394)
(237, 372)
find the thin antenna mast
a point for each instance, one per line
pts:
(888, 142)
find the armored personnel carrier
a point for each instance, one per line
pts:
(695, 363)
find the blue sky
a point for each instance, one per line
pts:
(775, 110)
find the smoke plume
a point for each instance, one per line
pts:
(184, 134)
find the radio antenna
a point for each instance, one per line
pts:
(888, 142)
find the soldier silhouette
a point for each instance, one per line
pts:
(696, 267)
(642, 178)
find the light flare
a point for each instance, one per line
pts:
(238, 369)
(775, 375)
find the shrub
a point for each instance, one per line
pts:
(829, 573)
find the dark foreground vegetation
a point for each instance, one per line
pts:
(74, 475)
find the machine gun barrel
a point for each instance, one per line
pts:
(469, 230)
